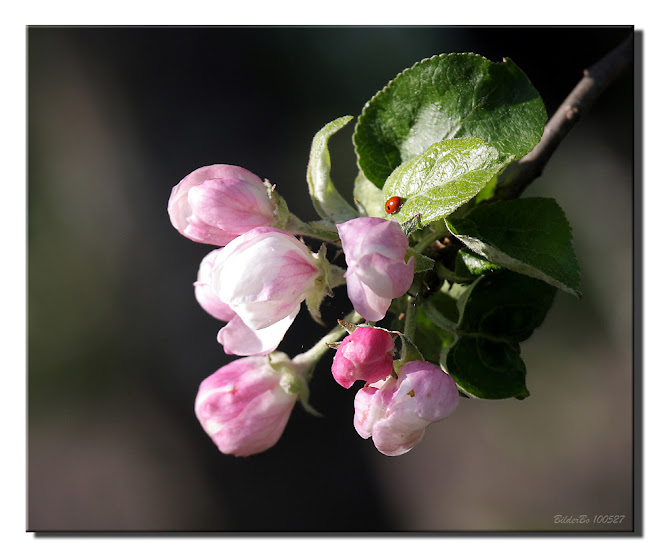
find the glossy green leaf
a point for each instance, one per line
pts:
(444, 97)
(328, 202)
(469, 263)
(529, 235)
(496, 313)
(443, 178)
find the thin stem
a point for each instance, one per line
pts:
(296, 226)
(429, 238)
(411, 318)
(410, 322)
(596, 79)
(313, 355)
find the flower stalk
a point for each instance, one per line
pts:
(309, 358)
(297, 227)
(410, 322)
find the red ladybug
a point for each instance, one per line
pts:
(393, 204)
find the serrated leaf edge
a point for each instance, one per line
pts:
(480, 247)
(360, 123)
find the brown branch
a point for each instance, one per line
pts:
(596, 79)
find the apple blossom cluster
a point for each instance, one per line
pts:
(256, 279)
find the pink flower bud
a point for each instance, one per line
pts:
(264, 275)
(366, 354)
(377, 273)
(396, 412)
(204, 293)
(245, 405)
(236, 337)
(215, 204)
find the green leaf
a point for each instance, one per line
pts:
(444, 177)
(327, 200)
(459, 276)
(529, 235)
(430, 339)
(412, 224)
(408, 353)
(489, 190)
(422, 263)
(457, 292)
(468, 262)
(505, 306)
(442, 311)
(486, 369)
(444, 97)
(496, 313)
(368, 197)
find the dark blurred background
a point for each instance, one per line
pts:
(117, 344)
